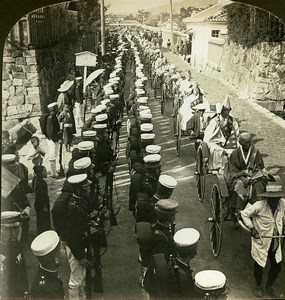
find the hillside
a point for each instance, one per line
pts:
(178, 5)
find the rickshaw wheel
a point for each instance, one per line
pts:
(178, 137)
(201, 174)
(175, 121)
(216, 220)
(162, 104)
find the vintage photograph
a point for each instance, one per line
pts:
(143, 149)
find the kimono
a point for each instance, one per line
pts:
(220, 134)
(239, 166)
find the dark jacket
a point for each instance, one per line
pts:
(52, 128)
(41, 194)
(236, 165)
(46, 285)
(77, 226)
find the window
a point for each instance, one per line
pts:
(215, 33)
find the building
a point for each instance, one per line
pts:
(208, 29)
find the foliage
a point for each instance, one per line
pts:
(187, 12)
(249, 25)
(88, 14)
(142, 15)
(130, 17)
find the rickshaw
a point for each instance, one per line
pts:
(166, 93)
(220, 209)
(179, 133)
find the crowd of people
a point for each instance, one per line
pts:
(74, 226)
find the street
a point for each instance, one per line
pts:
(121, 268)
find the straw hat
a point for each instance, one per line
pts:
(65, 86)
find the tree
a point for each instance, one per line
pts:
(130, 17)
(88, 14)
(142, 15)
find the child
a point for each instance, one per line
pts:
(68, 126)
(35, 153)
(42, 205)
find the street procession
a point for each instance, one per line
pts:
(130, 168)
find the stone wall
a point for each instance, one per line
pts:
(257, 73)
(31, 79)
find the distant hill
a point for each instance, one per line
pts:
(178, 5)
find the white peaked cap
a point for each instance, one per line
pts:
(153, 149)
(76, 179)
(82, 163)
(45, 243)
(167, 181)
(89, 133)
(210, 280)
(86, 145)
(146, 127)
(141, 101)
(101, 117)
(186, 237)
(147, 136)
(8, 157)
(152, 158)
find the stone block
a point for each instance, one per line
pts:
(17, 100)
(32, 75)
(31, 61)
(279, 105)
(12, 110)
(20, 61)
(6, 84)
(30, 82)
(4, 109)
(19, 75)
(16, 53)
(5, 94)
(34, 90)
(20, 90)
(17, 82)
(5, 75)
(8, 59)
(7, 51)
(37, 109)
(12, 90)
(29, 53)
(24, 109)
(30, 68)
(31, 99)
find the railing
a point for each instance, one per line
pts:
(44, 27)
(47, 25)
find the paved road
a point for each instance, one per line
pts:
(120, 263)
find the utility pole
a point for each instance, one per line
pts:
(102, 13)
(171, 20)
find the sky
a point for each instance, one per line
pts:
(126, 6)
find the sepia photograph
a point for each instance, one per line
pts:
(143, 149)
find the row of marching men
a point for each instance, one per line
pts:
(164, 254)
(77, 214)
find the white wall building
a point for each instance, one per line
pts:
(208, 29)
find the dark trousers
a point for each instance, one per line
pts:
(43, 221)
(274, 270)
(145, 256)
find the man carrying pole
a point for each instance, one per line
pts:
(266, 218)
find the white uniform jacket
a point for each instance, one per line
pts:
(259, 215)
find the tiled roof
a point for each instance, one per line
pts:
(215, 13)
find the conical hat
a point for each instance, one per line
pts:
(227, 103)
